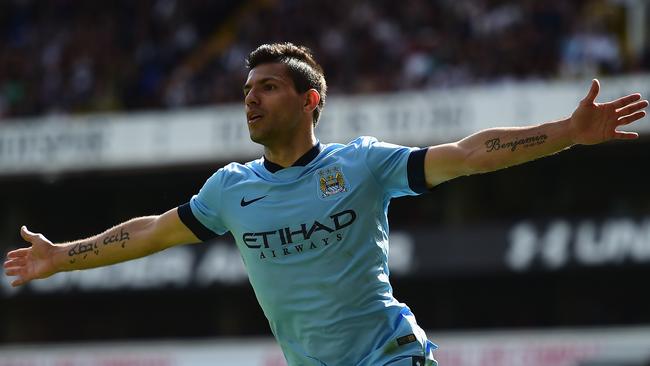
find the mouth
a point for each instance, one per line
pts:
(253, 117)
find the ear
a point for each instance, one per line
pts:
(312, 98)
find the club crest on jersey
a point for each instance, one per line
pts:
(331, 181)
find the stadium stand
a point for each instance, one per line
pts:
(76, 57)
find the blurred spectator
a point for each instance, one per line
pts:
(71, 56)
(590, 48)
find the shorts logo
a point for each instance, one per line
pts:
(331, 181)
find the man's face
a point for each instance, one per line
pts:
(274, 109)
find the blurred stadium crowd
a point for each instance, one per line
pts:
(70, 56)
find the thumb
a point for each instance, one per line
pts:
(593, 92)
(26, 234)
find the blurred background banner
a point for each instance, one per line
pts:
(562, 347)
(158, 139)
(113, 110)
(558, 245)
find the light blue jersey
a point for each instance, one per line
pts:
(314, 240)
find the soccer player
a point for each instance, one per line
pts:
(310, 219)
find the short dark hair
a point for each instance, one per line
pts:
(305, 72)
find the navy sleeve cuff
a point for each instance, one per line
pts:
(192, 223)
(415, 171)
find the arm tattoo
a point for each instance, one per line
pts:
(122, 237)
(83, 248)
(495, 143)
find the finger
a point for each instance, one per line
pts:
(19, 281)
(624, 135)
(18, 253)
(593, 92)
(631, 108)
(631, 118)
(15, 262)
(623, 101)
(12, 271)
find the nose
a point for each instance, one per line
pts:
(251, 98)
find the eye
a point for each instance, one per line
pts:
(269, 87)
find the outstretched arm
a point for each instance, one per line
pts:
(132, 239)
(497, 148)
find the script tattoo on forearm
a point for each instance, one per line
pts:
(120, 237)
(83, 248)
(495, 143)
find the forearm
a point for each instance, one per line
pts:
(129, 240)
(498, 148)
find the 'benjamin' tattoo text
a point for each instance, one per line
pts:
(495, 144)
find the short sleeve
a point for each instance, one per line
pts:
(202, 214)
(399, 169)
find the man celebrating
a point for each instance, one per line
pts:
(310, 219)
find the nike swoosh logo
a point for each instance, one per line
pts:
(245, 203)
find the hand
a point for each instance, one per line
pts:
(593, 123)
(33, 262)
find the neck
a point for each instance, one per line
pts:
(287, 153)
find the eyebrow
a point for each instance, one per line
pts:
(263, 81)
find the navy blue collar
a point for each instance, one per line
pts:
(302, 161)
